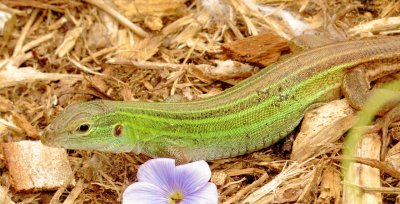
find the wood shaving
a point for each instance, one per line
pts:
(54, 53)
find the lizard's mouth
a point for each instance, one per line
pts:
(50, 137)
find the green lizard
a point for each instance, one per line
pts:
(252, 115)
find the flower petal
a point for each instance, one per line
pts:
(144, 193)
(192, 177)
(206, 195)
(159, 172)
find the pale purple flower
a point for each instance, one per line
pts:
(160, 181)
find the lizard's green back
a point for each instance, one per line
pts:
(247, 117)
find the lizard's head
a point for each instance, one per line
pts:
(90, 126)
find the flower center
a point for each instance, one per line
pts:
(176, 197)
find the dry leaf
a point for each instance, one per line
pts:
(69, 41)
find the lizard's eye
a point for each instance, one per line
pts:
(83, 128)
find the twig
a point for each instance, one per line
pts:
(145, 64)
(11, 10)
(83, 67)
(243, 191)
(99, 53)
(11, 126)
(119, 17)
(24, 32)
(37, 42)
(376, 164)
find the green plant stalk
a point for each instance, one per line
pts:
(375, 102)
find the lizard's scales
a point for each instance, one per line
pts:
(252, 115)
